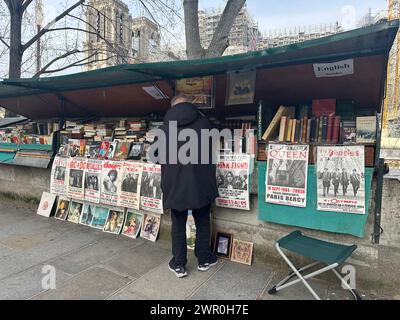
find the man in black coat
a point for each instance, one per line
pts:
(187, 187)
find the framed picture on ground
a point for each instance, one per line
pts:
(46, 204)
(242, 251)
(223, 244)
(133, 224)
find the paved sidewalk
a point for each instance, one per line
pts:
(91, 264)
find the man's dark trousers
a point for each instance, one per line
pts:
(178, 233)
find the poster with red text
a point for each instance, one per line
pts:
(110, 176)
(129, 187)
(233, 175)
(150, 189)
(286, 176)
(92, 180)
(341, 179)
(76, 173)
(58, 181)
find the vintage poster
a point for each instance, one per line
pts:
(233, 172)
(115, 221)
(110, 175)
(286, 177)
(133, 224)
(58, 181)
(150, 189)
(75, 211)
(129, 187)
(200, 88)
(92, 180)
(341, 179)
(241, 88)
(151, 227)
(76, 172)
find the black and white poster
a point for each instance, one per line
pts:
(233, 171)
(150, 189)
(76, 174)
(286, 178)
(92, 180)
(58, 181)
(110, 175)
(129, 187)
(341, 179)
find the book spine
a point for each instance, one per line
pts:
(304, 132)
(324, 129)
(282, 129)
(298, 130)
(293, 137)
(336, 130)
(289, 130)
(329, 134)
(309, 128)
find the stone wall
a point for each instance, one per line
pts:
(376, 265)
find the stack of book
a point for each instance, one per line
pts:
(90, 131)
(104, 131)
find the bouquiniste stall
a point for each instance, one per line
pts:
(313, 108)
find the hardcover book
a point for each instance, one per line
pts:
(276, 121)
(323, 107)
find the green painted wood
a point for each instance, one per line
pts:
(309, 217)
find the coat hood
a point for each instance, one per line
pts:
(183, 113)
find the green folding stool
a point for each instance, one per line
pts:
(322, 252)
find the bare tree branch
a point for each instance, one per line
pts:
(5, 43)
(26, 4)
(220, 40)
(79, 63)
(65, 55)
(51, 24)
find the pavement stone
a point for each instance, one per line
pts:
(135, 262)
(93, 284)
(25, 284)
(161, 284)
(94, 254)
(235, 281)
(297, 291)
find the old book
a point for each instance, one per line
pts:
(336, 130)
(324, 134)
(282, 130)
(349, 132)
(289, 130)
(276, 121)
(366, 129)
(329, 133)
(294, 125)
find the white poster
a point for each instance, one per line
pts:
(150, 189)
(92, 180)
(335, 69)
(341, 179)
(110, 175)
(233, 171)
(129, 186)
(58, 180)
(286, 178)
(76, 173)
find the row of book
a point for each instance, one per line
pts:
(328, 130)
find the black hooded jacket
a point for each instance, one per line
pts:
(187, 186)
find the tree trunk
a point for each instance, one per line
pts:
(16, 50)
(194, 50)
